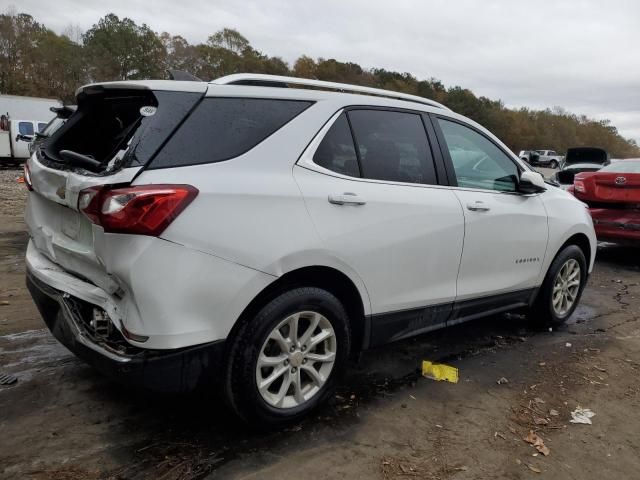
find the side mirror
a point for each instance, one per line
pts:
(531, 182)
(24, 138)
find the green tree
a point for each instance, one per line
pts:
(120, 50)
(36, 61)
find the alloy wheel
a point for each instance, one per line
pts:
(296, 359)
(566, 287)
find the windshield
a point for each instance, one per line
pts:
(623, 166)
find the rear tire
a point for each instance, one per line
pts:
(553, 164)
(278, 370)
(562, 288)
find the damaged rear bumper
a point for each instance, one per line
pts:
(616, 225)
(69, 320)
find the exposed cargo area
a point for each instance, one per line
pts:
(115, 128)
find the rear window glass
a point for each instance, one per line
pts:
(224, 128)
(623, 166)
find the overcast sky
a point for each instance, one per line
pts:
(583, 55)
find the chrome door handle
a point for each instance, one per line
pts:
(346, 198)
(478, 206)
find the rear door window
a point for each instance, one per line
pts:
(223, 128)
(25, 128)
(392, 146)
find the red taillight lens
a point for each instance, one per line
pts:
(141, 210)
(27, 177)
(578, 186)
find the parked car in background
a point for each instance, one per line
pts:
(237, 229)
(546, 158)
(613, 196)
(580, 159)
(21, 118)
(529, 156)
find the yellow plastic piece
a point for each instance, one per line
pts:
(439, 371)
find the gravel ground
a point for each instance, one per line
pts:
(12, 198)
(62, 420)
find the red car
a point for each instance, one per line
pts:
(613, 196)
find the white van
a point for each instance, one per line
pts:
(20, 119)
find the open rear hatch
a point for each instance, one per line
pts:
(581, 159)
(115, 132)
(594, 155)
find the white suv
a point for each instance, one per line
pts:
(186, 231)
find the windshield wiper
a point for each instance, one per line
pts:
(80, 160)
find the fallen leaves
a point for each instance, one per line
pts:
(502, 381)
(537, 442)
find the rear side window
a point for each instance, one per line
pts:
(25, 128)
(224, 128)
(41, 126)
(392, 146)
(337, 152)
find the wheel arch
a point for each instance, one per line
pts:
(581, 241)
(321, 276)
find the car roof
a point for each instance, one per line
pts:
(271, 86)
(261, 83)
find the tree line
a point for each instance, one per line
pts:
(36, 61)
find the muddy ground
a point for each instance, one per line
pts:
(62, 420)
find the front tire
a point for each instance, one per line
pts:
(562, 288)
(287, 360)
(553, 164)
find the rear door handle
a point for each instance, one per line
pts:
(346, 198)
(478, 206)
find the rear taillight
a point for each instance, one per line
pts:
(141, 210)
(27, 177)
(578, 186)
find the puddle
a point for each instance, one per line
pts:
(582, 314)
(26, 354)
